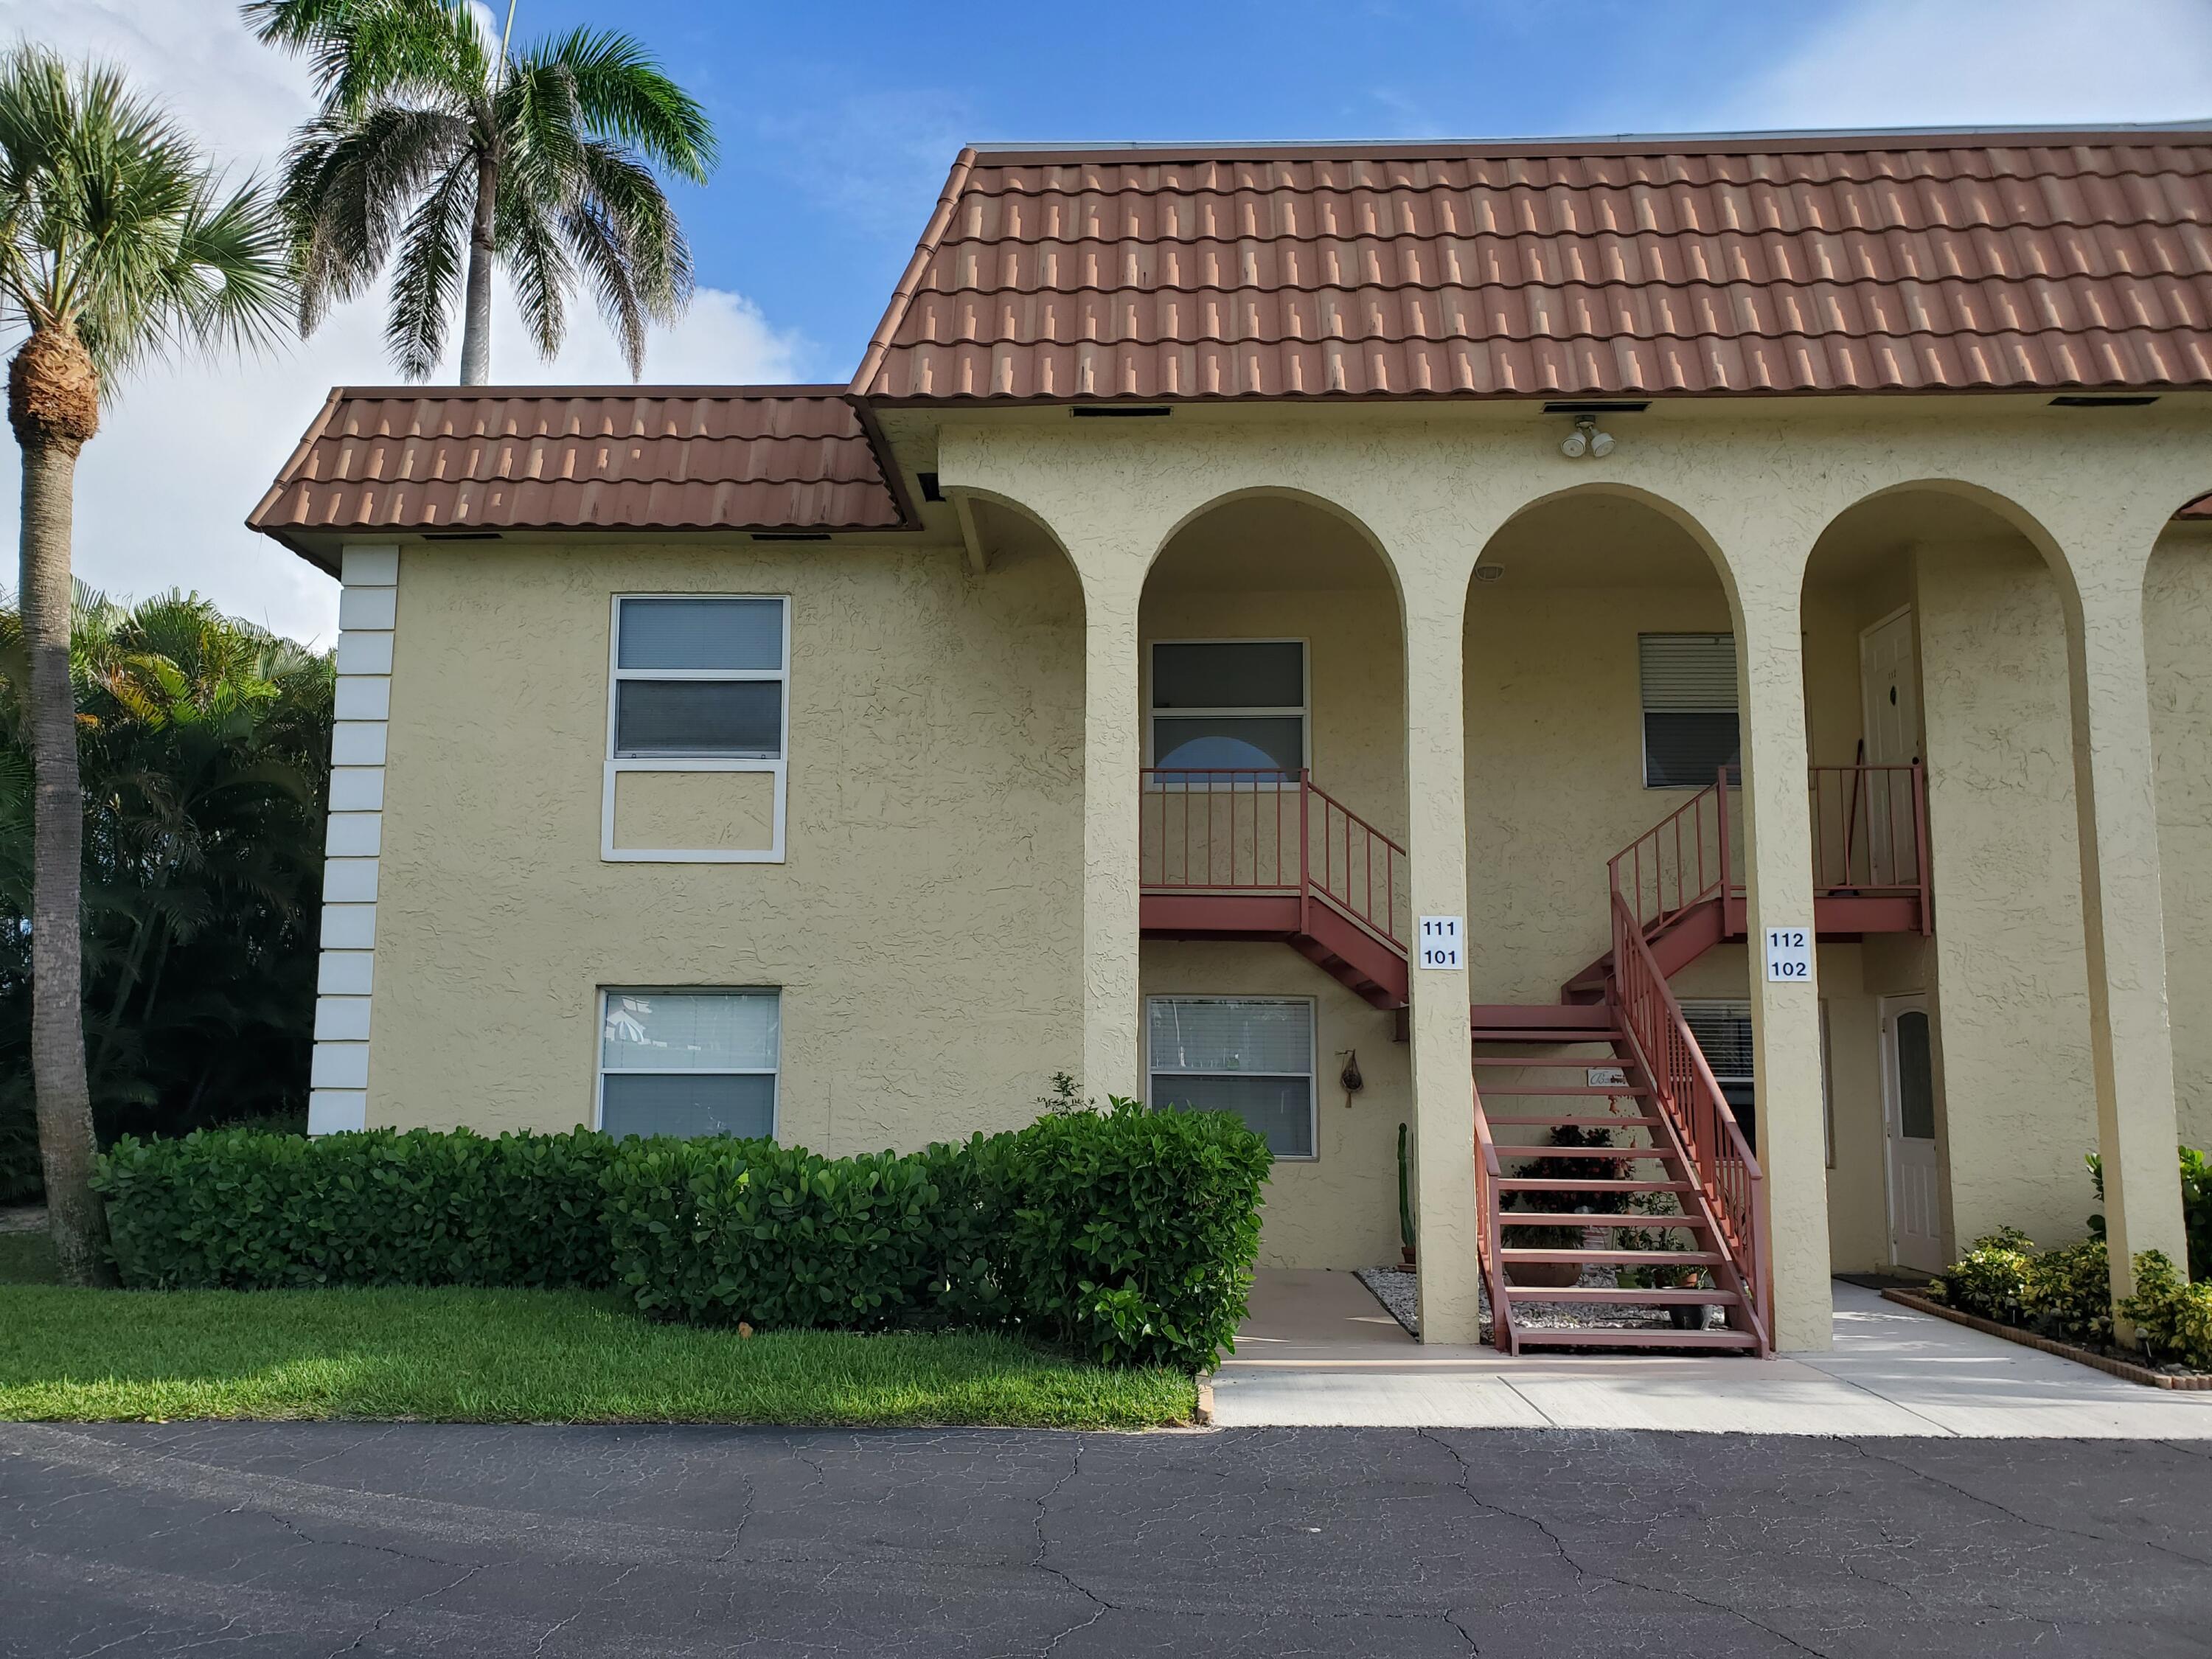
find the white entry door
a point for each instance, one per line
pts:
(1916, 1221)
(1892, 692)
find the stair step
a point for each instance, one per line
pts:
(1624, 1154)
(1548, 1120)
(1599, 1336)
(1547, 1016)
(1646, 1223)
(1625, 1298)
(1548, 1037)
(1619, 1258)
(1538, 1184)
(1584, 1090)
(1571, 1063)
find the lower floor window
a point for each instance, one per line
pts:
(689, 1062)
(1722, 1029)
(1253, 1056)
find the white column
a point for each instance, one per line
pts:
(1785, 1013)
(368, 612)
(1448, 1267)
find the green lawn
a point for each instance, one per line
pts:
(518, 1357)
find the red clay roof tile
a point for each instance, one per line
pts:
(1989, 262)
(415, 460)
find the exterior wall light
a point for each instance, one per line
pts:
(1587, 440)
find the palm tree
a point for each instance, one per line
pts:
(117, 242)
(431, 139)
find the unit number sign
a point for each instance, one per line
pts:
(1790, 953)
(1443, 942)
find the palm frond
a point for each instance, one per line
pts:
(114, 228)
(427, 280)
(623, 93)
(350, 184)
(530, 243)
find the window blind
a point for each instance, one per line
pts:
(1690, 727)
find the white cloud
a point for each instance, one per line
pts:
(184, 452)
(1962, 63)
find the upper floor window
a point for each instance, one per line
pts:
(699, 677)
(1689, 709)
(1230, 706)
(689, 1062)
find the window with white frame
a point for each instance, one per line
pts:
(699, 683)
(698, 677)
(689, 1062)
(1690, 728)
(1232, 705)
(1252, 1056)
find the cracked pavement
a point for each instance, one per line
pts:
(324, 1539)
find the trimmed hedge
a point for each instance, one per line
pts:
(1132, 1232)
(241, 1209)
(1127, 1235)
(717, 1231)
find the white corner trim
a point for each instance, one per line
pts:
(368, 610)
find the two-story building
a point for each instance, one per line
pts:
(1702, 639)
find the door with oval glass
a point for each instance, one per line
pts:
(1916, 1219)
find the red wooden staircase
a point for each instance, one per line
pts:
(1266, 855)
(1647, 1118)
(1647, 1168)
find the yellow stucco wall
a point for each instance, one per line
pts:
(924, 927)
(929, 927)
(2178, 637)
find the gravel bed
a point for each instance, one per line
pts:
(1395, 1291)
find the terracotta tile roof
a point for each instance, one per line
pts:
(416, 460)
(1756, 263)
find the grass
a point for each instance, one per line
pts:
(456, 1356)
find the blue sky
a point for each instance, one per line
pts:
(839, 121)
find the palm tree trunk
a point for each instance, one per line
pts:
(476, 312)
(52, 404)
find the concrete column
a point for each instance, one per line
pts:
(1777, 862)
(1113, 759)
(2123, 918)
(1444, 1078)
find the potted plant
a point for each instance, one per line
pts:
(1561, 1275)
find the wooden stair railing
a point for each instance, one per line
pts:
(1540, 1184)
(1260, 853)
(1727, 1176)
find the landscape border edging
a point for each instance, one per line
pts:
(2119, 1368)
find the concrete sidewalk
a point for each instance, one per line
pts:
(1319, 1350)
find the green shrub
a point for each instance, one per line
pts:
(2067, 1294)
(245, 1210)
(2196, 1206)
(1128, 1235)
(1991, 1279)
(719, 1231)
(2174, 1318)
(1132, 1232)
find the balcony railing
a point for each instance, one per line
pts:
(1264, 832)
(1870, 840)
